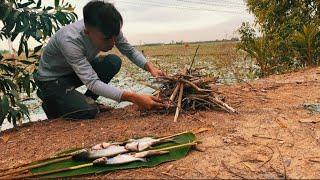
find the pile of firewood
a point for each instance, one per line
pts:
(190, 91)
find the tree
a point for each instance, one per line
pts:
(279, 22)
(25, 20)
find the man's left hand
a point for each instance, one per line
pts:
(154, 71)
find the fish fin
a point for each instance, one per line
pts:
(143, 159)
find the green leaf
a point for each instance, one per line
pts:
(25, 4)
(36, 49)
(5, 105)
(56, 3)
(173, 154)
(10, 83)
(24, 109)
(20, 47)
(6, 13)
(26, 84)
(26, 50)
(39, 4)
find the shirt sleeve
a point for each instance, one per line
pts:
(128, 50)
(76, 59)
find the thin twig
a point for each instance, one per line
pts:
(230, 171)
(195, 86)
(171, 175)
(15, 171)
(189, 70)
(179, 103)
(175, 91)
(265, 137)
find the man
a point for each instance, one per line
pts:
(70, 60)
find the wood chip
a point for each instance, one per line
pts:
(5, 138)
(309, 120)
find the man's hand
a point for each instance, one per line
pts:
(143, 101)
(154, 71)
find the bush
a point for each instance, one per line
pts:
(289, 34)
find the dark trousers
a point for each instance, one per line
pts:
(60, 99)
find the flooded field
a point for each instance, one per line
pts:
(213, 59)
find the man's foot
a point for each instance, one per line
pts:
(104, 108)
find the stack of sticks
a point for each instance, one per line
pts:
(190, 91)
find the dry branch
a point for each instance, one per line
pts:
(193, 90)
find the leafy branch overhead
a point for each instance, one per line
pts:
(30, 19)
(23, 20)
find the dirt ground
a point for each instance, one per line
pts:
(264, 140)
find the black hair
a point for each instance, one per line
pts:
(104, 16)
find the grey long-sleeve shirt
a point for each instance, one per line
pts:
(70, 50)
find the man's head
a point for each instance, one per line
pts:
(103, 23)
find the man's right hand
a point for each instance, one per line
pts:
(144, 101)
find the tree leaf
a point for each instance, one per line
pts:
(24, 109)
(26, 50)
(25, 4)
(56, 3)
(5, 105)
(36, 49)
(26, 84)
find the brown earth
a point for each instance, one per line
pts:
(265, 140)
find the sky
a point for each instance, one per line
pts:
(163, 21)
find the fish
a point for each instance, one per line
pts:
(144, 139)
(102, 145)
(144, 154)
(109, 151)
(119, 159)
(143, 143)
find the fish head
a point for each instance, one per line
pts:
(105, 145)
(101, 146)
(102, 160)
(132, 146)
(144, 145)
(82, 155)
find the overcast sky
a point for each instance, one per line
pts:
(153, 21)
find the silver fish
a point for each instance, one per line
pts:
(143, 143)
(144, 154)
(144, 139)
(102, 145)
(140, 146)
(111, 150)
(119, 159)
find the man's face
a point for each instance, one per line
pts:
(99, 39)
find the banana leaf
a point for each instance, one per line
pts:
(173, 154)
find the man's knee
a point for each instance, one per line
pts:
(115, 61)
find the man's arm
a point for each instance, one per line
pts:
(89, 77)
(76, 59)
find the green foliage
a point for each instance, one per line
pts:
(306, 43)
(173, 154)
(289, 34)
(24, 20)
